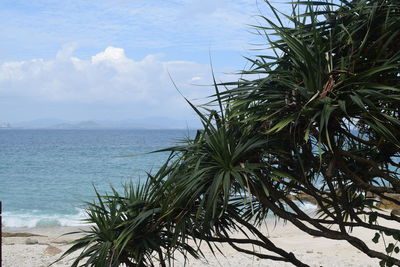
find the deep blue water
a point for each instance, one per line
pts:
(46, 174)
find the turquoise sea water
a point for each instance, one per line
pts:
(46, 174)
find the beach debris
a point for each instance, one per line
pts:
(303, 198)
(395, 212)
(31, 241)
(387, 204)
(61, 241)
(52, 250)
(19, 235)
(309, 251)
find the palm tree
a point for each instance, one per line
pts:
(320, 119)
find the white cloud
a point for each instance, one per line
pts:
(109, 77)
(112, 54)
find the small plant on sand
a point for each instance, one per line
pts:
(126, 229)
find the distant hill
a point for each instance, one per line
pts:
(145, 123)
(152, 123)
(77, 125)
(5, 125)
(39, 123)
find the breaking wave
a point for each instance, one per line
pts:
(40, 219)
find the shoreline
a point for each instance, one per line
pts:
(313, 251)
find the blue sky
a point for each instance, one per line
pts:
(83, 60)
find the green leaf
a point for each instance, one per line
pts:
(307, 133)
(373, 217)
(390, 248)
(357, 100)
(282, 124)
(342, 105)
(376, 238)
(396, 235)
(388, 233)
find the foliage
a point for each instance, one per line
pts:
(125, 229)
(320, 119)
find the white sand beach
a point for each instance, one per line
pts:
(313, 251)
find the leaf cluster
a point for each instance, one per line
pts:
(317, 115)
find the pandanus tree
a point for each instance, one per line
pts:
(316, 115)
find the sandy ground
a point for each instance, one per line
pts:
(313, 251)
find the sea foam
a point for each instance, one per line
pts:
(36, 219)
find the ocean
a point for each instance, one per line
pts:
(46, 175)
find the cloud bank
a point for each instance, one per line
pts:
(106, 78)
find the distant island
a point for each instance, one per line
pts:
(144, 123)
(5, 125)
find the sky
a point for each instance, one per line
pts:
(114, 59)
